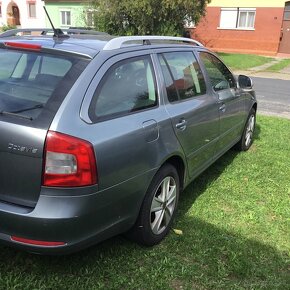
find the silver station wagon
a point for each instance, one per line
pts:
(100, 134)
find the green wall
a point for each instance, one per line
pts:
(77, 14)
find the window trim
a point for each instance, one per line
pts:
(94, 98)
(237, 20)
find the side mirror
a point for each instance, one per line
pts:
(245, 82)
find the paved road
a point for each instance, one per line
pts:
(273, 96)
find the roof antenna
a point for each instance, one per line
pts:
(57, 31)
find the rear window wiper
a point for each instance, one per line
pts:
(16, 113)
(28, 109)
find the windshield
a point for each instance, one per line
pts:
(28, 80)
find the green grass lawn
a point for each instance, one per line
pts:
(235, 220)
(243, 61)
(277, 67)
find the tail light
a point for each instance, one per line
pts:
(22, 45)
(69, 161)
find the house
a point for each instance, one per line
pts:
(22, 13)
(248, 26)
(65, 13)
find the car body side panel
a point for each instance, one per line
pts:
(118, 141)
(126, 148)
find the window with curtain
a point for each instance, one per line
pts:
(237, 18)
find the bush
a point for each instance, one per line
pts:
(7, 27)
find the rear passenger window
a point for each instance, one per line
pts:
(128, 86)
(182, 75)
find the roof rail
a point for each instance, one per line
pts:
(45, 31)
(117, 42)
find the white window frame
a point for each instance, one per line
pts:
(29, 11)
(66, 18)
(235, 14)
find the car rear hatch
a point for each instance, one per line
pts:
(33, 84)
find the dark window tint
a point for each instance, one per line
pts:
(128, 86)
(28, 80)
(182, 74)
(221, 78)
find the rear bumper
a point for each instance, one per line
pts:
(70, 220)
(77, 221)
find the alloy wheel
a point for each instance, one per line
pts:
(163, 205)
(250, 130)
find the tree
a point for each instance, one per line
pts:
(145, 17)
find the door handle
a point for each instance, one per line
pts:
(181, 125)
(222, 108)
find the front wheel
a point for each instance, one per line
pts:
(158, 208)
(248, 134)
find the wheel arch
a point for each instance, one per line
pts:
(255, 106)
(179, 165)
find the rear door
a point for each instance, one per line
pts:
(194, 112)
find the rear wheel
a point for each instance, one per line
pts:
(247, 138)
(158, 208)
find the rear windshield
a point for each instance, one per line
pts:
(29, 80)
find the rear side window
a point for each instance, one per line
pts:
(28, 80)
(128, 86)
(182, 75)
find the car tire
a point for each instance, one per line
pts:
(158, 208)
(248, 133)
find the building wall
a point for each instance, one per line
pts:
(247, 3)
(76, 10)
(264, 39)
(25, 20)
